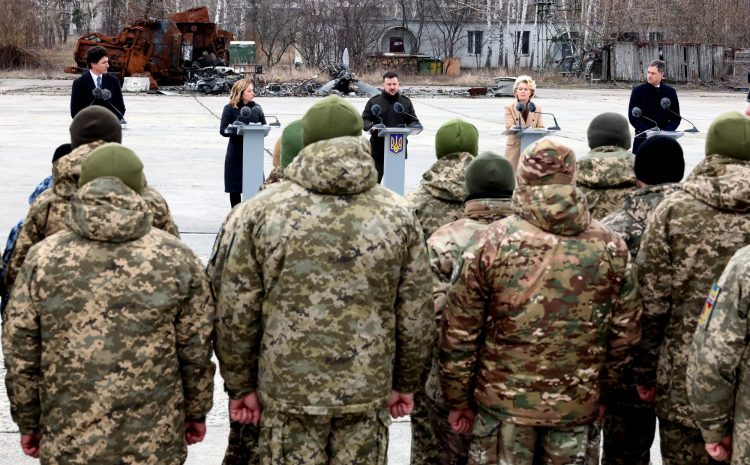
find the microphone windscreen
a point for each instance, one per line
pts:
(97, 92)
(376, 110)
(257, 111)
(398, 108)
(532, 107)
(106, 94)
(666, 103)
(636, 112)
(520, 107)
(245, 112)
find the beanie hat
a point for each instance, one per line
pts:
(546, 162)
(456, 136)
(61, 151)
(489, 176)
(330, 117)
(291, 142)
(729, 135)
(94, 123)
(113, 160)
(659, 160)
(609, 129)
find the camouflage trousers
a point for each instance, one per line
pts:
(243, 445)
(423, 442)
(452, 448)
(682, 445)
(628, 430)
(360, 438)
(504, 443)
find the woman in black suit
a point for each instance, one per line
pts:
(242, 95)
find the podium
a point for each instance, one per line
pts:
(528, 135)
(659, 132)
(252, 157)
(394, 156)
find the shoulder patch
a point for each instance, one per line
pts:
(708, 308)
(456, 272)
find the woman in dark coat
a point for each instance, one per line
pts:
(241, 96)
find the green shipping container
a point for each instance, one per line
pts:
(241, 52)
(430, 67)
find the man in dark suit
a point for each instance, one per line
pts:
(83, 94)
(648, 97)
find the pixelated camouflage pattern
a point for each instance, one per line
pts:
(718, 378)
(324, 302)
(630, 220)
(275, 176)
(242, 448)
(688, 241)
(360, 439)
(549, 299)
(46, 215)
(507, 443)
(683, 445)
(107, 340)
(606, 176)
(439, 199)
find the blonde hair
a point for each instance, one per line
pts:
(527, 79)
(235, 96)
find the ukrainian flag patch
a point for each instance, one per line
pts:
(708, 308)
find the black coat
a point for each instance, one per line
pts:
(233, 160)
(648, 99)
(82, 97)
(389, 118)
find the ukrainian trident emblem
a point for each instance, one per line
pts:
(397, 143)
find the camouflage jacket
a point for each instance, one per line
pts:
(47, 214)
(107, 336)
(324, 297)
(445, 248)
(549, 300)
(718, 373)
(439, 199)
(606, 176)
(688, 241)
(630, 220)
(275, 176)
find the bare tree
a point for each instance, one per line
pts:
(276, 28)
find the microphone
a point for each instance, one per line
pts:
(244, 117)
(638, 113)
(556, 127)
(399, 108)
(97, 93)
(376, 110)
(520, 108)
(106, 94)
(666, 104)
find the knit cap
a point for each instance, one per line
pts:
(114, 160)
(489, 176)
(729, 135)
(456, 136)
(659, 160)
(609, 129)
(94, 123)
(291, 142)
(330, 117)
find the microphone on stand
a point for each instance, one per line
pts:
(520, 108)
(666, 104)
(638, 113)
(376, 110)
(399, 109)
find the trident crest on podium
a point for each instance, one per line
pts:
(397, 143)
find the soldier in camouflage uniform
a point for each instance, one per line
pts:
(290, 143)
(489, 186)
(92, 127)
(606, 174)
(324, 304)
(630, 423)
(689, 239)
(549, 300)
(439, 200)
(107, 337)
(717, 373)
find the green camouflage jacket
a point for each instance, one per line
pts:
(630, 220)
(445, 248)
(548, 298)
(718, 374)
(107, 336)
(606, 176)
(439, 199)
(46, 215)
(688, 241)
(324, 301)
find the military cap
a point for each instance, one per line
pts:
(115, 160)
(489, 175)
(659, 160)
(729, 135)
(609, 129)
(291, 142)
(456, 136)
(330, 117)
(94, 123)
(546, 162)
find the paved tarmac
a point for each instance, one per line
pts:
(178, 140)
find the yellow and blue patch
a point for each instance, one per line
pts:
(708, 308)
(397, 143)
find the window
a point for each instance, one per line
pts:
(523, 38)
(655, 36)
(475, 42)
(397, 45)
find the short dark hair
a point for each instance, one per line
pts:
(390, 75)
(660, 65)
(95, 54)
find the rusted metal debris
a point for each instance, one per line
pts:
(166, 50)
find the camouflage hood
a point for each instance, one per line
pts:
(338, 166)
(721, 182)
(487, 210)
(640, 203)
(107, 210)
(446, 179)
(556, 208)
(606, 167)
(67, 170)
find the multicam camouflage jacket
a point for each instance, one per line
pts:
(439, 199)
(445, 248)
(275, 176)
(324, 298)
(47, 214)
(107, 336)
(689, 239)
(549, 300)
(718, 375)
(606, 176)
(630, 220)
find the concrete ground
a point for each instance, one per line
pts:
(178, 140)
